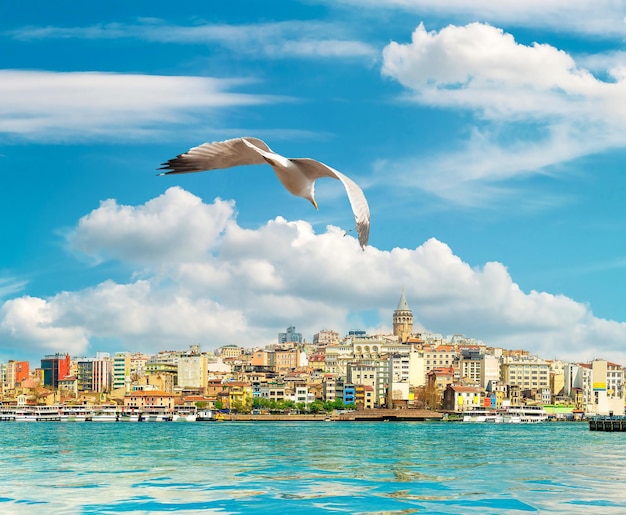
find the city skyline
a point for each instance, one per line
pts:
(434, 340)
(488, 139)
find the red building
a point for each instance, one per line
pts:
(55, 367)
(17, 371)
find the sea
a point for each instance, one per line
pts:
(310, 468)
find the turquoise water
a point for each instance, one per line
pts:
(230, 468)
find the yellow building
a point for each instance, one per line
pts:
(364, 396)
(238, 396)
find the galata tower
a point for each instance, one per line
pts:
(403, 320)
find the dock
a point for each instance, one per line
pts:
(609, 424)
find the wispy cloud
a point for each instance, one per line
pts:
(10, 286)
(278, 40)
(45, 105)
(535, 107)
(600, 18)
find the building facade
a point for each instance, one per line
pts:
(94, 374)
(121, 370)
(55, 367)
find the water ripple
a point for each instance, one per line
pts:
(360, 468)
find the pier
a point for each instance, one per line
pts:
(609, 424)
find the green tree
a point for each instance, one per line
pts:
(316, 406)
(329, 406)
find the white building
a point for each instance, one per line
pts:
(528, 373)
(417, 368)
(479, 367)
(399, 366)
(601, 384)
(607, 381)
(193, 371)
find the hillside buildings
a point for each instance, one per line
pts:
(401, 370)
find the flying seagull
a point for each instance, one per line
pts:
(298, 175)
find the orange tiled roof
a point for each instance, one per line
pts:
(460, 388)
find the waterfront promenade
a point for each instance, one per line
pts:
(344, 416)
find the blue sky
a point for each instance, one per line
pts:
(488, 136)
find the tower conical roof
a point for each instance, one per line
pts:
(403, 305)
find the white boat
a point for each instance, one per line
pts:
(528, 414)
(209, 415)
(156, 416)
(105, 414)
(483, 415)
(184, 415)
(75, 413)
(38, 414)
(126, 416)
(7, 413)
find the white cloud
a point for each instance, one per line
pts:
(535, 106)
(483, 68)
(276, 40)
(10, 286)
(604, 18)
(476, 174)
(243, 286)
(39, 324)
(46, 105)
(177, 226)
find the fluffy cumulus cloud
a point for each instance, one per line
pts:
(481, 67)
(177, 226)
(41, 325)
(242, 286)
(45, 105)
(535, 106)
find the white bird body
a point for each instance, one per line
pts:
(297, 175)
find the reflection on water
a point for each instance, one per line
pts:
(373, 468)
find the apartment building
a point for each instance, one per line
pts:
(192, 371)
(94, 374)
(16, 372)
(121, 370)
(478, 367)
(528, 373)
(442, 356)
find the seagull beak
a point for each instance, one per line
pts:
(314, 203)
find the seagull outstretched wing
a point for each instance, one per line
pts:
(216, 155)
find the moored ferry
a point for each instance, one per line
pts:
(511, 415)
(184, 414)
(156, 416)
(528, 414)
(483, 415)
(105, 413)
(75, 413)
(37, 414)
(128, 416)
